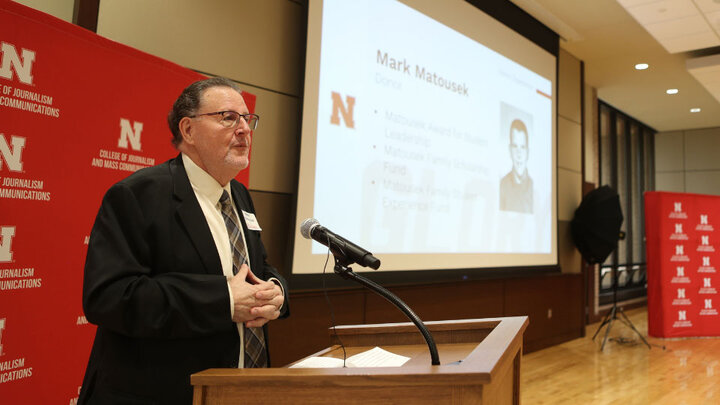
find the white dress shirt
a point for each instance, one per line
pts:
(208, 191)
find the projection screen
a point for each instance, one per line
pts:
(428, 137)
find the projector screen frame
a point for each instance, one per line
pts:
(331, 281)
(517, 20)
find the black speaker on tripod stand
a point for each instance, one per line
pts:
(595, 230)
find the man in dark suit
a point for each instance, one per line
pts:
(176, 276)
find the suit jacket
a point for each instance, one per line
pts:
(154, 285)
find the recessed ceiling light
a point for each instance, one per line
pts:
(671, 91)
(694, 110)
(642, 66)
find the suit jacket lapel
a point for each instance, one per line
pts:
(193, 219)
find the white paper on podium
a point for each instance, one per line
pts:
(319, 362)
(375, 357)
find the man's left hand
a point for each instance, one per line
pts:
(272, 300)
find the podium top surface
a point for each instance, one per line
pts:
(471, 351)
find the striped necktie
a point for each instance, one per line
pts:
(255, 353)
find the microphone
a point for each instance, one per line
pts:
(311, 229)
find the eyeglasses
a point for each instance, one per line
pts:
(231, 119)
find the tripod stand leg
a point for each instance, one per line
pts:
(627, 322)
(607, 331)
(604, 322)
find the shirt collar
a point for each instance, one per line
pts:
(520, 179)
(202, 182)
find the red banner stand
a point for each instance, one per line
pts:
(78, 113)
(682, 254)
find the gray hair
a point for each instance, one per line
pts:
(188, 103)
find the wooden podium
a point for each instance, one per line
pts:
(480, 364)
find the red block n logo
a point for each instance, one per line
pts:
(7, 233)
(22, 65)
(345, 109)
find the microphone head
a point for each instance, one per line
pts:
(307, 226)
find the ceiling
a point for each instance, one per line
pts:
(679, 39)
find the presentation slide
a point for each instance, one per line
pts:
(429, 148)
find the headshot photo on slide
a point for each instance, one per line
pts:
(516, 186)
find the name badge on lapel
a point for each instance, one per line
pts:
(251, 221)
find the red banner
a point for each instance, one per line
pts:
(77, 113)
(682, 254)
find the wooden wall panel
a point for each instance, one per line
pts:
(569, 145)
(553, 305)
(569, 193)
(569, 160)
(440, 302)
(306, 331)
(569, 257)
(569, 87)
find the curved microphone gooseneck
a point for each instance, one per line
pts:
(347, 253)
